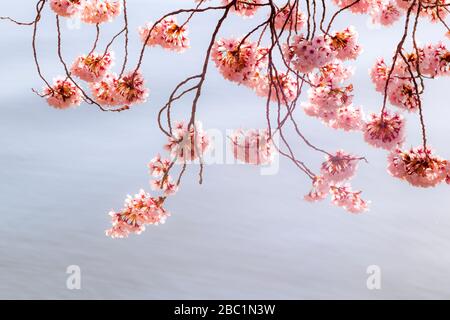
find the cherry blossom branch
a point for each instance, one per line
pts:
(288, 56)
(125, 28)
(394, 59)
(338, 13)
(173, 13)
(97, 36)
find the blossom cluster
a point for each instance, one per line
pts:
(403, 90)
(245, 8)
(333, 180)
(167, 33)
(140, 210)
(387, 12)
(159, 171)
(90, 11)
(306, 55)
(418, 166)
(187, 143)
(330, 99)
(245, 62)
(239, 60)
(106, 87)
(63, 94)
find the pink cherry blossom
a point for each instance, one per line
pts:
(339, 167)
(385, 132)
(167, 34)
(238, 61)
(447, 178)
(165, 184)
(349, 118)
(130, 89)
(246, 8)
(329, 97)
(187, 143)
(252, 146)
(320, 189)
(419, 166)
(281, 87)
(433, 9)
(67, 8)
(343, 196)
(159, 169)
(328, 91)
(331, 101)
(436, 61)
(104, 90)
(332, 74)
(385, 12)
(403, 70)
(344, 43)
(362, 6)
(100, 11)
(379, 75)
(306, 55)
(158, 166)
(138, 211)
(403, 94)
(92, 68)
(328, 116)
(289, 18)
(281, 54)
(63, 94)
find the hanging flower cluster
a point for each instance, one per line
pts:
(67, 8)
(159, 170)
(167, 34)
(100, 11)
(387, 12)
(333, 180)
(244, 8)
(330, 100)
(92, 67)
(187, 143)
(384, 131)
(239, 60)
(129, 89)
(138, 211)
(306, 55)
(90, 11)
(144, 209)
(289, 18)
(109, 91)
(402, 85)
(419, 166)
(63, 94)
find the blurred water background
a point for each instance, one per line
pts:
(240, 234)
